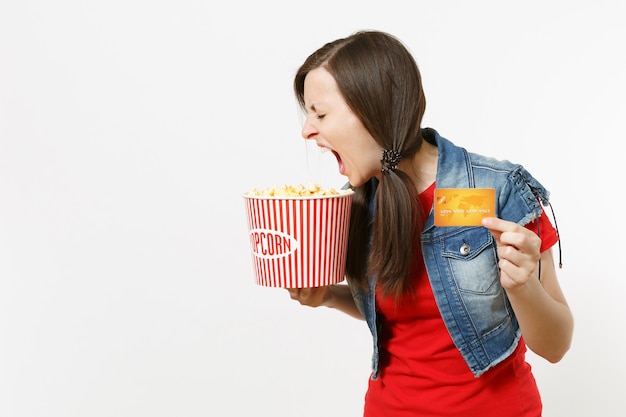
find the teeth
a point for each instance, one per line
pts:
(324, 150)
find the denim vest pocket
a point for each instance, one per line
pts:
(472, 262)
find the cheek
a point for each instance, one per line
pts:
(355, 144)
(365, 158)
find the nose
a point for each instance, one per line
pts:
(308, 130)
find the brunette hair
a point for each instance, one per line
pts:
(380, 81)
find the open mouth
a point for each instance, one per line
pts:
(324, 149)
(339, 162)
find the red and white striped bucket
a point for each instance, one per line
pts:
(298, 242)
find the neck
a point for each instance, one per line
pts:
(422, 168)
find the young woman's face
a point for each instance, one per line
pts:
(333, 125)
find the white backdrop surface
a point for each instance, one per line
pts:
(129, 130)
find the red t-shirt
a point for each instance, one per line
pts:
(423, 373)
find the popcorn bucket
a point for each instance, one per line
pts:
(298, 242)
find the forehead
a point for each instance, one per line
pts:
(320, 87)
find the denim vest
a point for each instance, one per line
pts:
(462, 262)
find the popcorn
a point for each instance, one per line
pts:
(296, 191)
(298, 235)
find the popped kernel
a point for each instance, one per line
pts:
(297, 191)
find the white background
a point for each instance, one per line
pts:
(129, 130)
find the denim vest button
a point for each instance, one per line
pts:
(465, 249)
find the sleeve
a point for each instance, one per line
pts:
(545, 230)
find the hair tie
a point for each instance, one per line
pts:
(390, 160)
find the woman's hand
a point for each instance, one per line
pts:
(540, 307)
(334, 296)
(518, 249)
(311, 297)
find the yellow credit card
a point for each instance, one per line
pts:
(463, 206)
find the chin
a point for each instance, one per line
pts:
(356, 182)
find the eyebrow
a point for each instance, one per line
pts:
(313, 108)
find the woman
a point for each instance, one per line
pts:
(451, 309)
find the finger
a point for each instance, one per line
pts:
(516, 274)
(523, 240)
(491, 224)
(294, 293)
(513, 255)
(305, 293)
(510, 233)
(495, 224)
